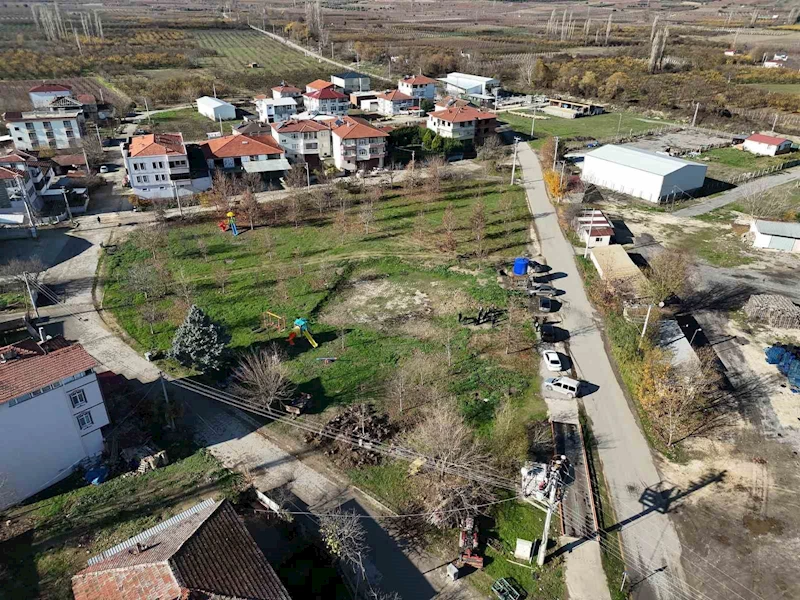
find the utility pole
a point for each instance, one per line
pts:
(99, 139)
(619, 124)
(774, 122)
(555, 154)
(691, 341)
(220, 124)
(646, 321)
(30, 294)
(177, 198)
(696, 108)
(214, 87)
(147, 110)
(167, 416)
(550, 508)
(24, 193)
(591, 222)
(66, 202)
(561, 180)
(308, 177)
(533, 121)
(514, 162)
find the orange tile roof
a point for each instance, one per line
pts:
(352, 128)
(319, 84)
(300, 126)
(11, 173)
(417, 79)
(325, 94)
(290, 88)
(461, 114)
(157, 144)
(32, 371)
(394, 96)
(232, 146)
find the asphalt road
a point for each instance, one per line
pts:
(650, 540)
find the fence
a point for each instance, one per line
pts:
(767, 116)
(744, 177)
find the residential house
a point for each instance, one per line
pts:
(159, 166)
(568, 109)
(287, 91)
(463, 123)
(358, 98)
(418, 86)
(216, 109)
(204, 552)
(42, 95)
(318, 84)
(327, 102)
(305, 141)
(450, 101)
(358, 145)
(275, 109)
(776, 235)
(252, 128)
(350, 81)
(236, 154)
(471, 85)
(51, 414)
(594, 228)
(773, 64)
(395, 102)
(67, 163)
(766, 145)
(27, 182)
(51, 128)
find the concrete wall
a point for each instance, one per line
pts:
(41, 442)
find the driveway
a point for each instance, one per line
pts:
(738, 193)
(650, 541)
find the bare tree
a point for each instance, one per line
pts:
(477, 221)
(202, 248)
(221, 193)
(345, 537)
(250, 207)
(17, 269)
(527, 69)
(151, 314)
(267, 242)
(411, 175)
(254, 182)
(222, 275)
(449, 227)
(760, 200)
(262, 378)
(152, 238)
(183, 286)
(367, 213)
(667, 275)
(142, 278)
(437, 172)
(420, 228)
(296, 176)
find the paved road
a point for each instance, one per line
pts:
(650, 541)
(738, 193)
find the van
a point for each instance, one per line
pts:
(563, 385)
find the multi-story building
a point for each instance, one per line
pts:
(350, 81)
(158, 166)
(51, 414)
(287, 91)
(418, 86)
(275, 109)
(395, 102)
(42, 95)
(45, 128)
(318, 84)
(358, 145)
(305, 141)
(462, 123)
(25, 183)
(327, 102)
(236, 154)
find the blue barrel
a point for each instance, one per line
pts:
(521, 266)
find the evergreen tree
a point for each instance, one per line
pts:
(198, 342)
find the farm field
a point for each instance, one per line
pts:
(780, 88)
(586, 128)
(14, 93)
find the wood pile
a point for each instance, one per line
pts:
(775, 310)
(355, 421)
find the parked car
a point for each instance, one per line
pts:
(548, 333)
(552, 361)
(542, 289)
(563, 385)
(545, 304)
(594, 144)
(103, 168)
(537, 267)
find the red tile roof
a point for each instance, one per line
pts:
(234, 146)
(157, 144)
(51, 87)
(34, 369)
(290, 89)
(204, 549)
(11, 173)
(67, 160)
(319, 84)
(353, 128)
(417, 79)
(766, 139)
(86, 99)
(394, 96)
(461, 114)
(325, 94)
(300, 126)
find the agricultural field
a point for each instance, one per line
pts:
(778, 88)
(584, 129)
(14, 93)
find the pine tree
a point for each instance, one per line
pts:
(197, 342)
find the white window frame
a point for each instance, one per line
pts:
(80, 396)
(85, 420)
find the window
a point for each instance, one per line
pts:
(29, 126)
(598, 239)
(78, 398)
(145, 179)
(136, 166)
(138, 179)
(67, 124)
(70, 133)
(85, 420)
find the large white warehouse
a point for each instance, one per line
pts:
(215, 109)
(640, 173)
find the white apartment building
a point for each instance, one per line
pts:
(462, 123)
(42, 95)
(287, 91)
(418, 86)
(158, 167)
(25, 180)
(350, 81)
(327, 102)
(395, 102)
(305, 141)
(40, 129)
(51, 415)
(275, 109)
(357, 145)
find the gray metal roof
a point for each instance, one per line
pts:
(644, 160)
(789, 230)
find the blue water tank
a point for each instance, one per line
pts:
(521, 266)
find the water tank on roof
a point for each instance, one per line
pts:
(521, 266)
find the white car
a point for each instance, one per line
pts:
(564, 385)
(552, 360)
(103, 169)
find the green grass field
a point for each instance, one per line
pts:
(188, 121)
(779, 88)
(586, 128)
(726, 163)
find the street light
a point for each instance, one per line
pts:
(514, 163)
(694, 334)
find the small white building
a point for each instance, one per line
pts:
(215, 109)
(776, 235)
(327, 101)
(395, 102)
(773, 64)
(357, 145)
(766, 145)
(51, 415)
(350, 81)
(42, 95)
(594, 228)
(418, 86)
(285, 90)
(647, 175)
(275, 109)
(471, 85)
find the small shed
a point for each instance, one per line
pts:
(215, 109)
(774, 310)
(594, 228)
(614, 265)
(766, 145)
(776, 235)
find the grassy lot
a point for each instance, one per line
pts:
(720, 248)
(188, 121)
(779, 88)
(12, 300)
(726, 163)
(586, 128)
(54, 536)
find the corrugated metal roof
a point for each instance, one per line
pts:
(215, 102)
(651, 162)
(790, 230)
